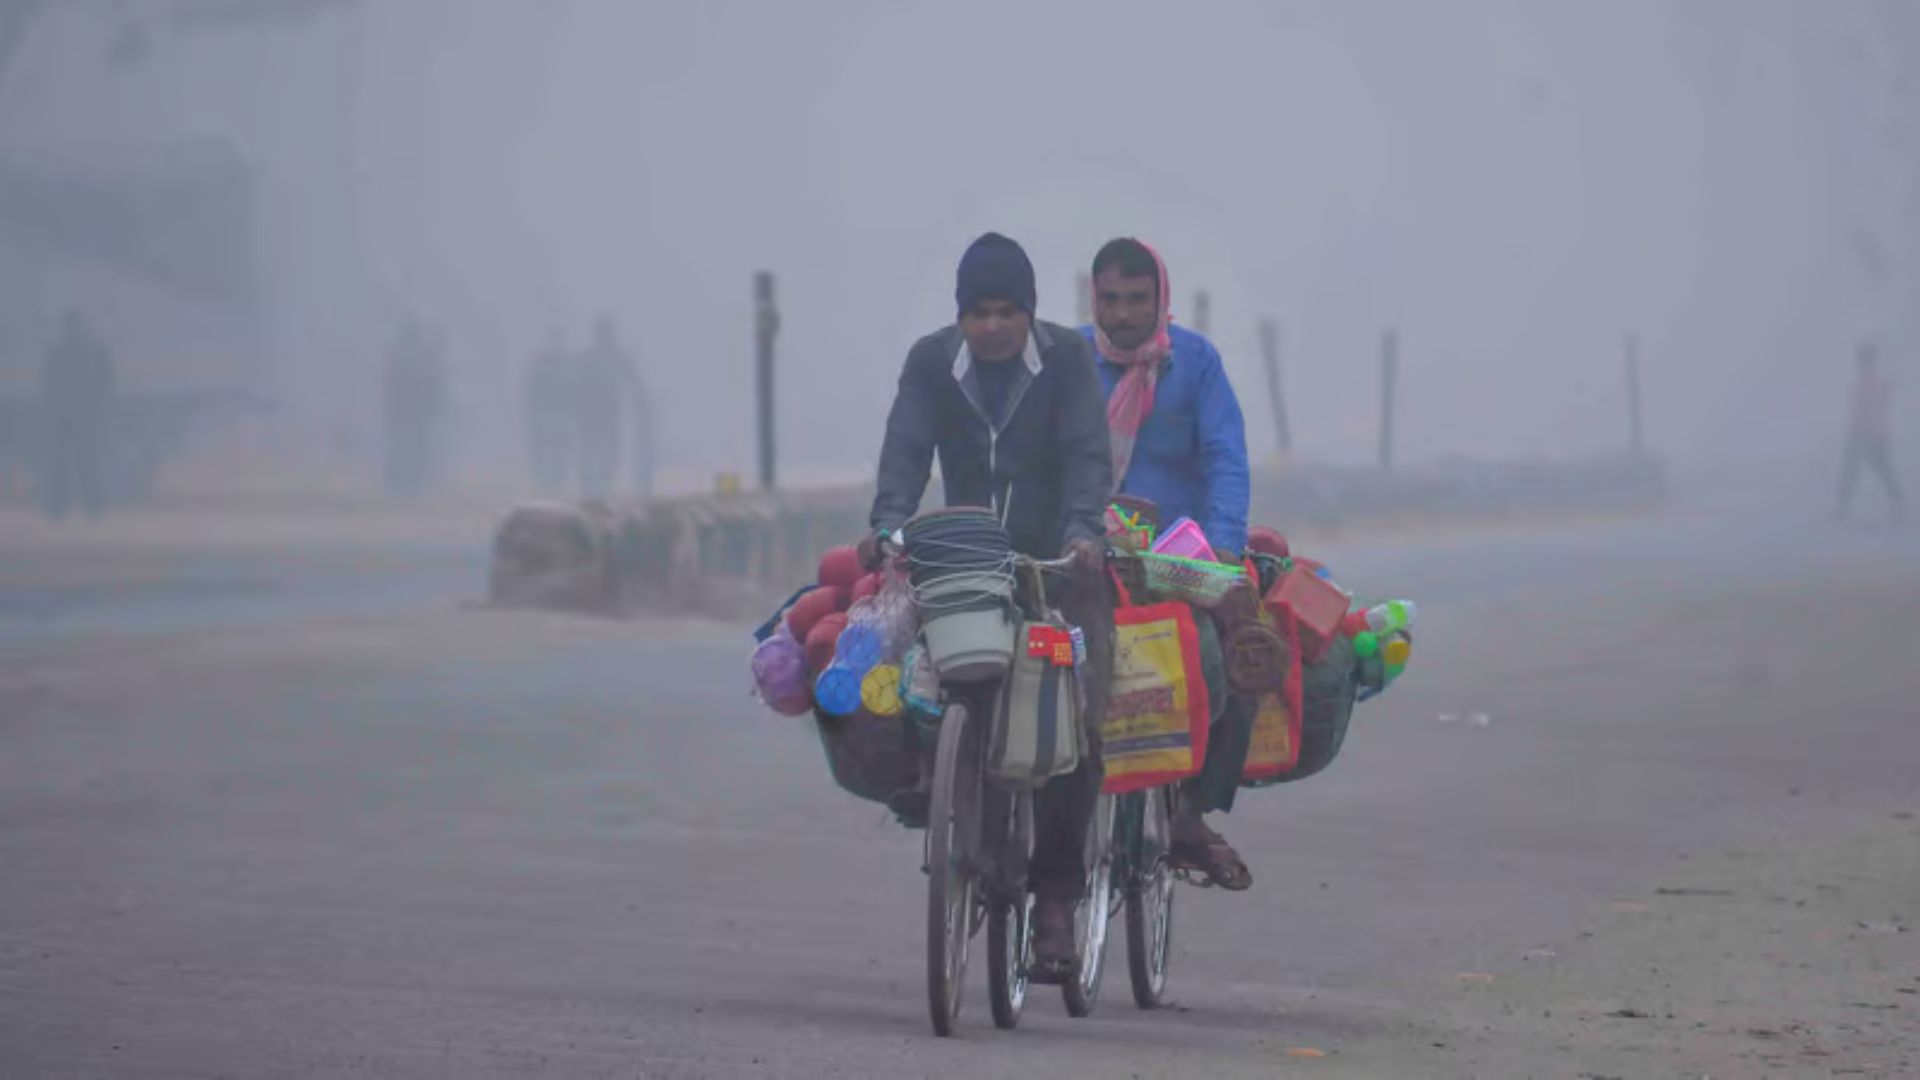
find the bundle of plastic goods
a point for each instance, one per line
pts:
(837, 644)
(1286, 587)
(1325, 613)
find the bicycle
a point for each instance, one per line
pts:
(978, 842)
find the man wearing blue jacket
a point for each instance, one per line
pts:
(1179, 441)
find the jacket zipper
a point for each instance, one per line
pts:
(993, 440)
(993, 446)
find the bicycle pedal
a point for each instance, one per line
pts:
(1193, 876)
(1049, 975)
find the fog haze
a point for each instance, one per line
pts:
(1515, 186)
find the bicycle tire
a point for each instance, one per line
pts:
(950, 870)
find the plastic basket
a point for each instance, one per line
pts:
(1185, 539)
(1197, 582)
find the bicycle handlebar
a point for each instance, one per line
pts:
(1064, 563)
(895, 543)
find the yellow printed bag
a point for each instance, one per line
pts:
(1155, 731)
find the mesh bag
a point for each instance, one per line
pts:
(1195, 581)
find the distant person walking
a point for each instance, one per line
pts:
(77, 388)
(608, 405)
(1870, 434)
(416, 405)
(546, 398)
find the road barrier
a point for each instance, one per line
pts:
(727, 554)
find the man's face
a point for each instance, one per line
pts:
(995, 330)
(1127, 308)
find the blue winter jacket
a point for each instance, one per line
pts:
(1191, 457)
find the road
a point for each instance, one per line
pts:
(352, 825)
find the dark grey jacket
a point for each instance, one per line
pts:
(1045, 465)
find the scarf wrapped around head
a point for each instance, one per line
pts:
(1132, 399)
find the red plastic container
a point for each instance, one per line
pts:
(1318, 607)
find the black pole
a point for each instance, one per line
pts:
(1276, 395)
(1389, 375)
(766, 327)
(1636, 432)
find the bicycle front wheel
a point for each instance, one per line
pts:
(951, 875)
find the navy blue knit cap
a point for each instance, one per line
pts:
(994, 268)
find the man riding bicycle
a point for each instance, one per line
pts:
(1012, 408)
(1178, 441)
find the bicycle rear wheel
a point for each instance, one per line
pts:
(1082, 987)
(952, 882)
(1150, 900)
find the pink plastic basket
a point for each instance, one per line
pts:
(1317, 603)
(1185, 540)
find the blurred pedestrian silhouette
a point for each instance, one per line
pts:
(416, 407)
(1870, 434)
(547, 397)
(77, 389)
(611, 406)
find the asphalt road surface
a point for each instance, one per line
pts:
(340, 823)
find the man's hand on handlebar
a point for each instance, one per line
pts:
(875, 549)
(1089, 556)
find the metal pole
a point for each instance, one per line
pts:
(1202, 313)
(766, 327)
(1083, 299)
(1635, 429)
(1389, 375)
(1270, 353)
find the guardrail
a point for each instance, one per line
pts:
(724, 553)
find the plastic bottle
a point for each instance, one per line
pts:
(1397, 649)
(1365, 644)
(1392, 615)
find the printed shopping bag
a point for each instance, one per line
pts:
(1155, 730)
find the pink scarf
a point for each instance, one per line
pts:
(1132, 399)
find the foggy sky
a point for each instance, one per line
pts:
(1514, 185)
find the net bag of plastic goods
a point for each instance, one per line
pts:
(780, 673)
(1328, 688)
(1158, 714)
(871, 746)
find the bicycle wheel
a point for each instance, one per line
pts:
(1082, 987)
(1010, 920)
(1150, 901)
(951, 876)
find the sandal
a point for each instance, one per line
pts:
(1213, 857)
